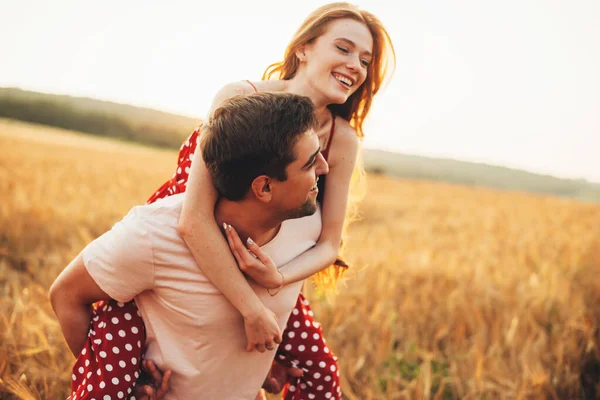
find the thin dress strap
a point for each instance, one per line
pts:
(331, 132)
(325, 153)
(251, 84)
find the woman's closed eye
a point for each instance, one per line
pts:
(364, 62)
(342, 49)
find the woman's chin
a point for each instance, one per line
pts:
(337, 97)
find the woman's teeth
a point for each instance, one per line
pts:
(343, 79)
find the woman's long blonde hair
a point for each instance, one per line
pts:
(356, 108)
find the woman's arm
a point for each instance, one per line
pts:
(344, 149)
(263, 270)
(209, 248)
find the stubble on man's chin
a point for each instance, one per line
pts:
(306, 209)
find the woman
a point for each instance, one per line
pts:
(338, 58)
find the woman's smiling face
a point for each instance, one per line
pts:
(336, 62)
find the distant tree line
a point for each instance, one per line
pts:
(64, 116)
(156, 128)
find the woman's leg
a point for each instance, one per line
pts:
(109, 363)
(304, 347)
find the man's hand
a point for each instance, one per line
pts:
(278, 376)
(253, 262)
(152, 384)
(262, 331)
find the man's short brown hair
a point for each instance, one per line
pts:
(253, 135)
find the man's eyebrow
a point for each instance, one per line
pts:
(311, 158)
(354, 45)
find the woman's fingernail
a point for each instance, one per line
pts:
(250, 241)
(224, 226)
(229, 227)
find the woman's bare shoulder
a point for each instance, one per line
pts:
(344, 142)
(271, 85)
(234, 88)
(344, 132)
(228, 91)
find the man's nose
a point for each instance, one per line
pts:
(322, 166)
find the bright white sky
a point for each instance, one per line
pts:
(512, 82)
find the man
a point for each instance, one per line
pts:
(264, 159)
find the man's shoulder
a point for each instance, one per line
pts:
(158, 218)
(166, 208)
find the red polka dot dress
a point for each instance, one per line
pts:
(108, 365)
(304, 347)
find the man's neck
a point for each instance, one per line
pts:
(249, 220)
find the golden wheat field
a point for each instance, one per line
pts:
(454, 292)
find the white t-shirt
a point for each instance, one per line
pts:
(191, 327)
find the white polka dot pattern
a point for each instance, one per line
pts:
(304, 347)
(114, 360)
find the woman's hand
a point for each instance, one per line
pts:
(262, 331)
(252, 261)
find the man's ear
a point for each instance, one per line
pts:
(261, 187)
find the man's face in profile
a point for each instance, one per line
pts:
(296, 197)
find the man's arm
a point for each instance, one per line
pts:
(118, 265)
(71, 296)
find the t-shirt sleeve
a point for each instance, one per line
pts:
(121, 260)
